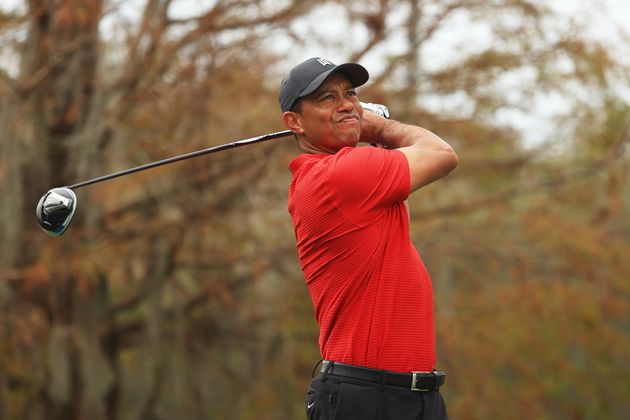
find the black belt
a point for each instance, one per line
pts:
(415, 381)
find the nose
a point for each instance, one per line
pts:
(345, 104)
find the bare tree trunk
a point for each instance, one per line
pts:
(413, 57)
(110, 345)
(61, 54)
(4, 340)
(57, 87)
(11, 185)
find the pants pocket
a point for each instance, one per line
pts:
(311, 405)
(321, 399)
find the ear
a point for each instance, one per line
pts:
(293, 121)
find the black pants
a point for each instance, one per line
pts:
(332, 397)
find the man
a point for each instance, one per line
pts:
(372, 295)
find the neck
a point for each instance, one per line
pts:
(306, 147)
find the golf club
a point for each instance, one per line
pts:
(57, 207)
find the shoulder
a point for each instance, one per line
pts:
(357, 159)
(300, 162)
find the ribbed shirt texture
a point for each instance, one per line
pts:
(371, 292)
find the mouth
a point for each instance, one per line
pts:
(349, 119)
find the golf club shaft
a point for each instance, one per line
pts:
(238, 143)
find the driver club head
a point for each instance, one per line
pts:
(55, 210)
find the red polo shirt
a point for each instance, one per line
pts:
(372, 295)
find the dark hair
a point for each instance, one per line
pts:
(297, 106)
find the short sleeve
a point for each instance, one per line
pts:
(367, 180)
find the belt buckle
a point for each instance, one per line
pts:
(414, 381)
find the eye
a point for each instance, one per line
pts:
(328, 97)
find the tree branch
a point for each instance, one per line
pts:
(26, 86)
(510, 193)
(11, 83)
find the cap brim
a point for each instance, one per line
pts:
(356, 74)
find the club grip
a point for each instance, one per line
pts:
(376, 108)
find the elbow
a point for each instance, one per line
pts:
(454, 159)
(451, 160)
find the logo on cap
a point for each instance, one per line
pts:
(324, 62)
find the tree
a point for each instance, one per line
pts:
(177, 289)
(77, 109)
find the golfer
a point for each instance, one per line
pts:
(371, 293)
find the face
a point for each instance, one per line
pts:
(330, 117)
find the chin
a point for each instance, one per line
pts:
(340, 141)
(352, 140)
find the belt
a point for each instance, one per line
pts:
(415, 381)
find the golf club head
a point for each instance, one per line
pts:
(55, 210)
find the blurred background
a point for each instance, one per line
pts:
(177, 293)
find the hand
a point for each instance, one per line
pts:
(371, 126)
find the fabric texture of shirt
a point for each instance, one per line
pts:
(371, 293)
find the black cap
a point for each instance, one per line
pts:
(306, 77)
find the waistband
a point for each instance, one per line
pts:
(414, 381)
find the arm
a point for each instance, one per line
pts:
(430, 158)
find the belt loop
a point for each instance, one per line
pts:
(315, 368)
(327, 368)
(382, 384)
(436, 386)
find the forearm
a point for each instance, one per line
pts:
(430, 158)
(395, 135)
